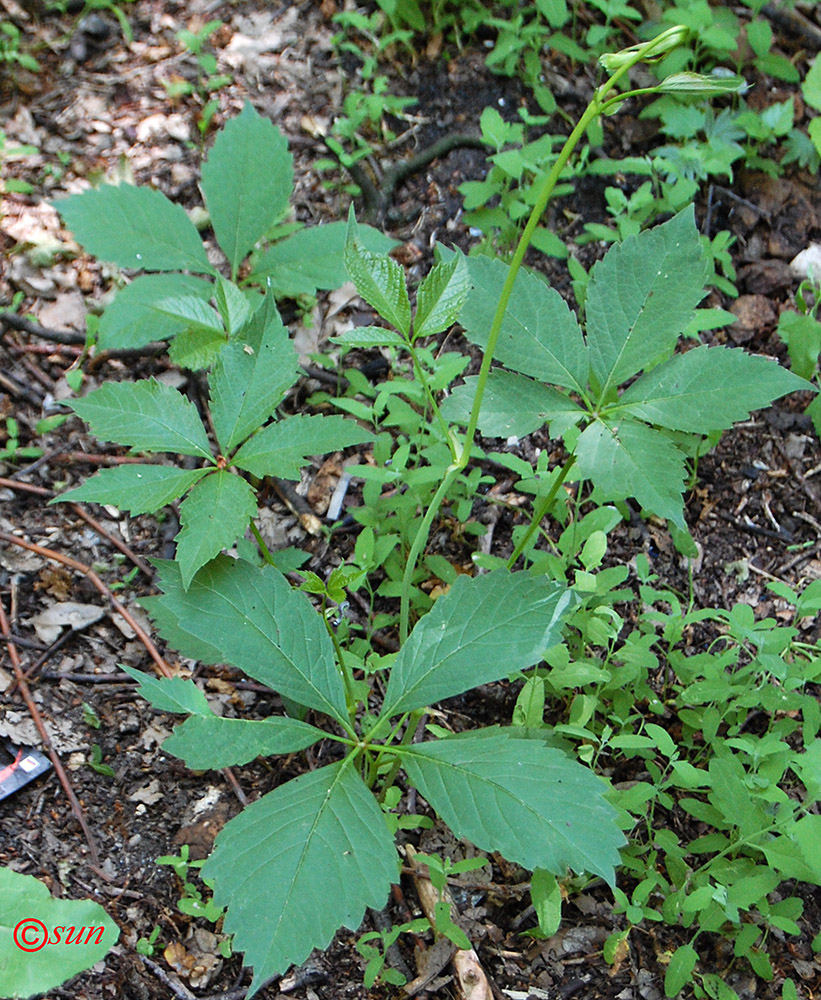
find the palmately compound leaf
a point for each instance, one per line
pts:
(441, 296)
(530, 802)
(247, 181)
(512, 406)
(281, 449)
(209, 742)
(213, 516)
(169, 694)
(139, 489)
(77, 932)
(708, 389)
(378, 279)
(257, 622)
(640, 297)
(132, 321)
(251, 376)
(136, 228)
(627, 459)
(298, 864)
(146, 416)
(484, 628)
(540, 336)
(312, 258)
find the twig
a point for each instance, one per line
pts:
(793, 20)
(16, 322)
(162, 667)
(376, 199)
(44, 736)
(138, 561)
(74, 339)
(176, 987)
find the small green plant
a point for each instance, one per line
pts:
(373, 947)
(95, 762)
(11, 450)
(10, 51)
(193, 902)
(209, 80)
(149, 945)
(801, 331)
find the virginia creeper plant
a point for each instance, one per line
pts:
(314, 853)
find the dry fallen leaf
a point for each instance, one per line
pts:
(49, 623)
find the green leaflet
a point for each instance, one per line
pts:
(169, 625)
(304, 860)
(146, 416)
(369, 336)
(540, 335)
(460, 644)
(640, 297)
(530, 802)
(378, 279)
(312, 258)
(513, 405)
(132, 321)
(136, 228)
(257, 622)
(679, 971)
(246, 182)
(209, 742)
(440, 297)
(251, 376)
(627, 459)
(281, 449)
(37, 970)
(235, 306)
(192, 313)
(214, 514)
(196, 349)
(139, 489)
(707, 389)
(169, 694)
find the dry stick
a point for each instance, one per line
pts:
(141, 634)
(177, 988)
(98, 584)
(470, 975)
(44, 736)
(41, 491)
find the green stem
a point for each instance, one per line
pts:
(540, 512)
(419, 542)
(347, 680)
(410, 731)
(263, 548)
(420, 374)
(593, 110)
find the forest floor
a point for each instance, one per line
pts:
(99, 109)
